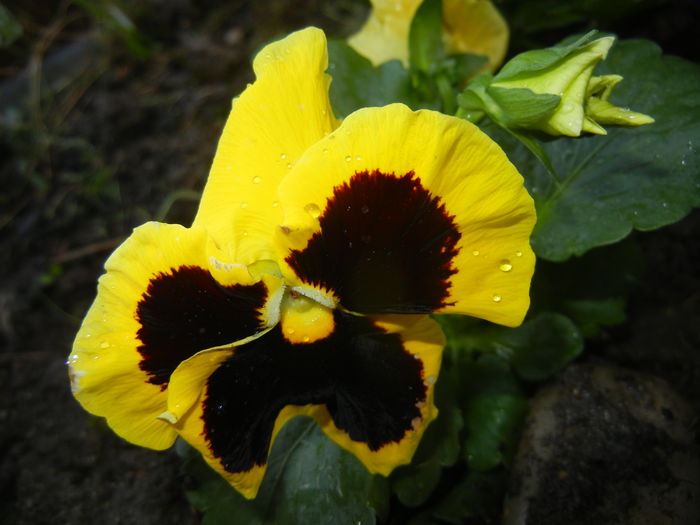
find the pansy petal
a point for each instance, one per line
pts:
(475, 26)
(409, 212)
(469, 26)
(271, 124)
(371, 392)
(384, 36)
(162, 299)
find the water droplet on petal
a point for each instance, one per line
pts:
(325, 150)
(475, 253)
(257, 180)
(244, 204)
(358, 158)
(431, 380)
(518, 254)
(365, 209)
(348, 158)
(104, 344)
(275, 204)
(496, 298)
(289, 165)
(505, 266)
(312, 210)
(306, 339)
(283, 156)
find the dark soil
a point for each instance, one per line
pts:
(95, 141)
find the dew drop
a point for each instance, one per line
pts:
(283, 156)
(306, 339)
(664, 204)
(275, 204)
(431, 380)
(291, 331)
(289, 165)
(104, 344)
(364, 209)
(325, 150)
(505, 266)
(358, 158)
(256, 180)
(518, 254)
(348, 158)
(312, 210)
(496, 298)
(475, 253)
(244, 204)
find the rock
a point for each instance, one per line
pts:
(604, 446)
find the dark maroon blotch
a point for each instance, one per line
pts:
(186, 310)
(385, 245)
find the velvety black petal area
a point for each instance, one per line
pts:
(386, 245)
(367, 380)
(187, 310)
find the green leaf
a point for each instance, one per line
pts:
(543, 346)
(488, 374)
(493, 425)
(535, 147)
(539, 59)
(591, 289)
(633, 178)
(357, 84)
(414, 485)
(523, 107)
(10, 28)
(425, 48)
(309, 480)
(462, 67)
(594, 313)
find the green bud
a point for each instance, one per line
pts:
(553, 90)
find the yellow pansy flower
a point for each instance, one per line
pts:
(469, 26)
(304, 284)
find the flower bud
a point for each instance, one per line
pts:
(553, 90)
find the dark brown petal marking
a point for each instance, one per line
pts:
(185, 311)
(365, 377)
(386, 245)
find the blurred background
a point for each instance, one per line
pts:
(110, 112)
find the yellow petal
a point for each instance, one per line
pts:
(271, 124)
(475, 26)
(152, 311)
(469, 26)
(384, 36)
(405, 205)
